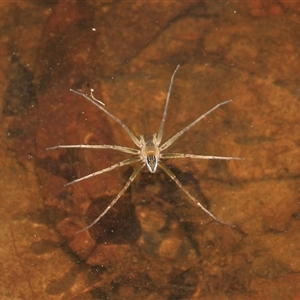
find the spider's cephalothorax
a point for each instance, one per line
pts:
(149, 153)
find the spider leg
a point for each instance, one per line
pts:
(96, 102)
(113, 147)
(163, 120)
(170, 141)
(191, 197)
(185, 155)
(113, 202)
(117, 165)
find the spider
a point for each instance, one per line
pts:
(149, 153)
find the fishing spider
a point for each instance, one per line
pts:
(149, 153)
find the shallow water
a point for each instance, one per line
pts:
(152, 244)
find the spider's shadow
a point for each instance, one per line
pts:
(165, 188)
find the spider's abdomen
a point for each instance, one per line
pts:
(151, 162)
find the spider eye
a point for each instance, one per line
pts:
(151, 163)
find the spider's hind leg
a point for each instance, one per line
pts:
(114, 201)
(191, 198)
